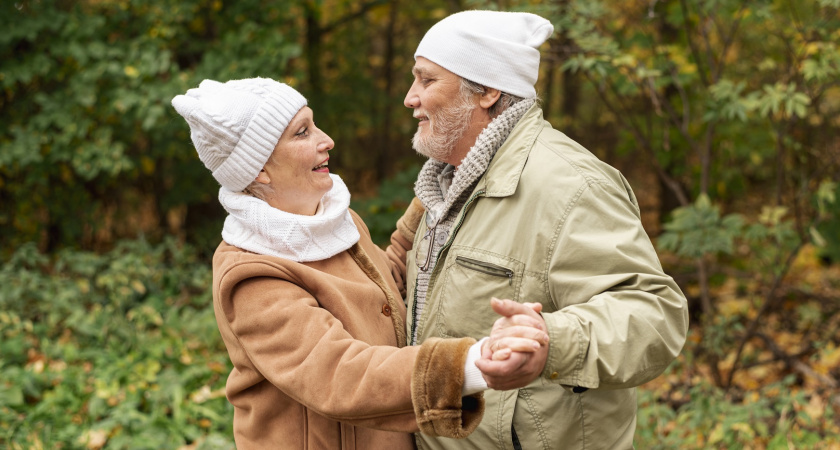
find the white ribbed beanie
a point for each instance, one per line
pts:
(492, 48)
(236, 125)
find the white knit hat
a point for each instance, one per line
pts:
(492, 48)
(236, 125)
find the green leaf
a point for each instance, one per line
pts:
(697, 230)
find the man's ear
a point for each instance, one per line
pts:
(489, 97)
(263, 178)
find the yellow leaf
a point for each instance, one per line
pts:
(772, 215)
(138, 286)
(716, 434)
(732, 308)
(94, 439)
(148, 165)
(131, 71)
(832, 357)
(815, 408)
(744, 428)
(829, 359)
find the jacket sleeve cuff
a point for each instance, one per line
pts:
(473, 379)
(436, 384)
(566, 352)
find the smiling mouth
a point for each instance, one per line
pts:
(424, 120)
(322, 166)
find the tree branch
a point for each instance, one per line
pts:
(645, 142)
(326, 29)
(727, 42)
(694, 51)
(795, 364)
(772, 298)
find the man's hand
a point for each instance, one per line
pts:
(502, 367)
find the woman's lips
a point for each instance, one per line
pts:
(323, 167)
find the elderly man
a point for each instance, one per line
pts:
(518, 210)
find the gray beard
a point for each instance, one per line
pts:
(446, 128)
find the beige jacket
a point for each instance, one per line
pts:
(317, 358)
(548, 222)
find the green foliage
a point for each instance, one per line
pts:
(382, 211)
(771, 239)
(734, 105)
(826, 232)
(91, 150)
(121, 346)
(727, 102)
(85, 99)
(722, 101)
(698, 230)
(710, 419)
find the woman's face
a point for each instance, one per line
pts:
(297, 170)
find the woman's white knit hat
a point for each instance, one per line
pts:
(236, 125)
(492, 48)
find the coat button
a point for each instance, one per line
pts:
(386, 310)
(554, 375)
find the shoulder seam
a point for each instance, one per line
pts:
(589, 178)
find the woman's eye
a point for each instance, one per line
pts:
(303, 132)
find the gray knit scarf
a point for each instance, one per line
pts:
(442, 205)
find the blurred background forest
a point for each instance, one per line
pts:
(724, 115)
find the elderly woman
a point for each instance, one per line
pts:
(309, 308)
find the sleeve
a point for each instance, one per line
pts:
(402, 240)
(304, 351)
(620, 320)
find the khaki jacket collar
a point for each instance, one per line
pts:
(502, 175)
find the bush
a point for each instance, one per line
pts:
(119, 348)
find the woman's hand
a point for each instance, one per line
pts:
(517, 349)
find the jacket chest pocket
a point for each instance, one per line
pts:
(470, 279)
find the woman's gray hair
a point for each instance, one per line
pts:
(505, 100)
(259, 190)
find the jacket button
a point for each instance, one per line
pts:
(386, 310)
(554, 375)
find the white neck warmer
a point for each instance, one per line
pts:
(254, 225)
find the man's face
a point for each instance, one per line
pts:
(444, 113)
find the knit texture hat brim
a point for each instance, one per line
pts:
(492, 48)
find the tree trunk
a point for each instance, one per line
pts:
(313, 55)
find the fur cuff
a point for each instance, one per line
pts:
(407, 224)
(436, 385)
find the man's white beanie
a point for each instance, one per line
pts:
(236, 125)
(492, 48)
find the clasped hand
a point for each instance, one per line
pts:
(515, 353)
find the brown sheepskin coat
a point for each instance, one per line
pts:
(316, 352)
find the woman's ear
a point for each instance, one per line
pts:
(489, 97)
(263, 178)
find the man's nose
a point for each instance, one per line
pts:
(412, 100)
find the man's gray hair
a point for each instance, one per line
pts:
(505, 100)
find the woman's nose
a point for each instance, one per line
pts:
(327, 143)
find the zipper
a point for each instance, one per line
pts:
(485, 267)
(431, 277)
(516, 444)
(414, 316)
(457, 227)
